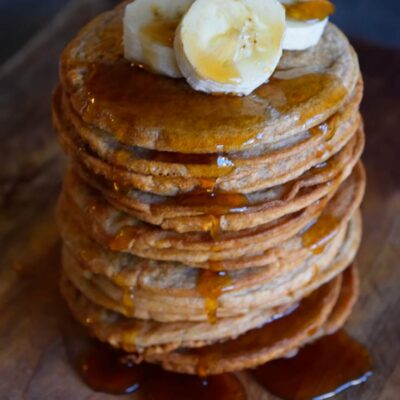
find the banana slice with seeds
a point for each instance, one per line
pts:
(230, 46)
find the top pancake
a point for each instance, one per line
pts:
(154, 112)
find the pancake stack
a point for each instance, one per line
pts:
(209, 233)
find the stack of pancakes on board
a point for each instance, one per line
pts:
(209, 233)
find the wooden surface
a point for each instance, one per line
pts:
(33, 360)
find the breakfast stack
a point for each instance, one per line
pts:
(210, 210)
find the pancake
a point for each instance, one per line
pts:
(151, 337)
(348, 296)
(236, 211)
(301, 325)
(129, 271)
(174, 295)
(146, 110)
(240, 178)
(173, 164)
(118, 231)
(272, 341)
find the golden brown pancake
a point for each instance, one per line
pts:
(273, 340)
(172, 164)
(235, 211)
(251, 177)
(121, 232)
(143, 109)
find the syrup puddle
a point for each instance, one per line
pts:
(318, 371)
(107, 370)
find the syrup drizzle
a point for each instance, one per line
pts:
(317, 235)
(128, 295)
(128, 301)
(211, 201)
(222, 164)
(211, 285)
(123, 239)
(119, 97)
(287, 94)
(309, 10)
(267, 337)
(160, 31)
(319, 370)
(216, 203)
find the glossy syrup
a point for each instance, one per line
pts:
(318, 371)
(267, 338)
(128, 298)
(333, 364)
(123, 239)
(213, 164)
(211, 202)
(318, 234)
(107, 370)
(211, 285)
(103, 369)
(133, 104)
(128, 301)
(219, 160)
(160, 31)
(309, 10)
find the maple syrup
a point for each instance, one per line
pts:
(123, 239)
(218, 164)
(217, 159)
(127, 98)
(319, 370)
(107, 370)
(317, 235)
(207, 185)
(128, 301)
(116, 187)
(216, 265)
(343, 361)
(160, 31)
(216, 203)
(127, 296)
(103, 369)
(164, 385)
(211, 285)
(309, 10)
(214, 229)
(326, 130)
(270, 335)
(209, 66)
(287, 94)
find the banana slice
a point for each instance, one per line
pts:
(230, 46)
(305, 22)
(302, 35)
(149, 30)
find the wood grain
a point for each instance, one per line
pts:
(33, 360)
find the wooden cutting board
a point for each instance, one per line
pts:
(33, 361)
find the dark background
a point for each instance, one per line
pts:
(376, 21)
